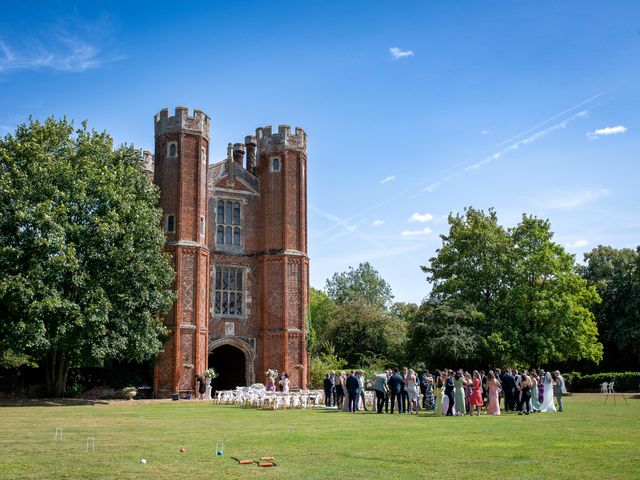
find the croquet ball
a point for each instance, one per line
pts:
(182, 450)
(219, 452)
(143, 461)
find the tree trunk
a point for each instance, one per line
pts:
(56, 370)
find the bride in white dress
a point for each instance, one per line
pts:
(547, 401)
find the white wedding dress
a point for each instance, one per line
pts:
(547, 401)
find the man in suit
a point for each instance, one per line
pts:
(395, 384)
(328, 387)
(381, 388)
(509, 387)
(333, 388)
(353, 388)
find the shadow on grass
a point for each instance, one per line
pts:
(50, 402)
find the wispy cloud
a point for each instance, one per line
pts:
(415, 233)
(485, 132)
(388, 179)
(397, 53)
(377, 222)
(67, 46)
(603, 132)
(576, 244)
(573, 199)
(421, 217)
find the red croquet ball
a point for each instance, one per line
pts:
(182, 450)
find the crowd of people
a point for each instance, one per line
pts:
(448, 392)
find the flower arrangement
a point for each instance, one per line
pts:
(210, 373)
(271, 373)
(129, 392)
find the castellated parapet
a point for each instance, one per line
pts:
(284, 139)
(198, 124)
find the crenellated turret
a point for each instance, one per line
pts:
(199, 123)
(283, 140)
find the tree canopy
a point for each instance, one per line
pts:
(360, 284)
(83, 276)
(615, 273)
(534, 307)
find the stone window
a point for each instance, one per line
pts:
(203, 155)
(170, 223)
(172, 149)
(228, 230)
(203, 226)
(275, 164)
(228, 291)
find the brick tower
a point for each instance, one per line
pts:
(283, 264)
(180, 171)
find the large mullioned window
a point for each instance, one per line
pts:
(228, 221)
(228, 291)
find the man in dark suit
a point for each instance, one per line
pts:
(328, 387)
(353, 388)
(395, 384)
(509, 388)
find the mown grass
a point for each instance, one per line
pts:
(588, 440)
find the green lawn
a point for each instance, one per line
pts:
(587, 441)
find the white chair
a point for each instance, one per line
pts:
(611, 386)
(604, 387)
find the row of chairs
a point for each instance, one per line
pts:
(248, 397)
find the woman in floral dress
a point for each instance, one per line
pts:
(429, 399)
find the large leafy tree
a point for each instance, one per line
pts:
(534, 307)
(363, 284)
(83, 276)
(615, 273)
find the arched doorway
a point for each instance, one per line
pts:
(229, 362)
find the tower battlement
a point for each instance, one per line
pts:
(199, 123)
(284, 139)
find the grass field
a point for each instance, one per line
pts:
(589, 440)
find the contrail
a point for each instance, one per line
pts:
(436, 184)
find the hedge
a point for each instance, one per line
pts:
(624, 381)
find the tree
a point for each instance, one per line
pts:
(444, 335)
(615, 274)
(362, 334)
(83, 276)
(534, 306)
(362, 284)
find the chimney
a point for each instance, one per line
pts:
(251, 144)
(238, 153)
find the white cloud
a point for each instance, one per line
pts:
(67, 45)
(398, 53)
(602, 132)
(378, 222)
(577, 244)
(567, 200)
(390, 178)
(415, 233)
(485, 132)
(421, 217)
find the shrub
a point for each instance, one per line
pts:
(624, 381)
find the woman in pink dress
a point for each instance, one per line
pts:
(476, 393)
(493, 388)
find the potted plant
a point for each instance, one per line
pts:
(129, 392)
(210, 374)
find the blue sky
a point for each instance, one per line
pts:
(413, 109)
